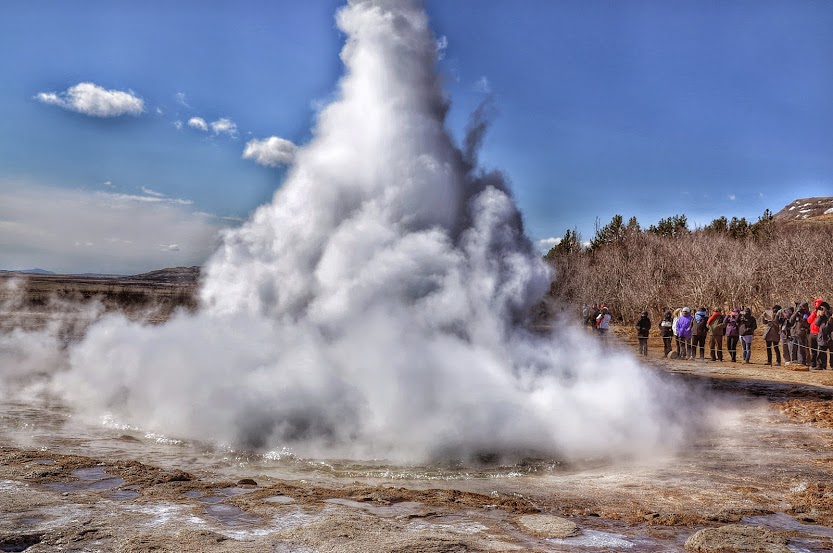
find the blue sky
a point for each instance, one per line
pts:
(643, 108)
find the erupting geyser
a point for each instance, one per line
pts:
(377, 308)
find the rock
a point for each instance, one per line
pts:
(737, 538)
(548, 526)
(246, 482)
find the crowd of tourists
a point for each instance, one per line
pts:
(802, 333)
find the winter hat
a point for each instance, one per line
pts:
(643, 314)
(735, 310)
(776, 308)
(686, 310)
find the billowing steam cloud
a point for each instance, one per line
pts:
(378, 307)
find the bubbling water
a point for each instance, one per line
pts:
(379, 306)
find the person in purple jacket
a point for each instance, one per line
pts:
(684, 324)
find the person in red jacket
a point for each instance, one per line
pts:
(819, 310)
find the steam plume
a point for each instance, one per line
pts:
(378, 306)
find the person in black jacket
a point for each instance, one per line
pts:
(717, 325)
(772, 334)
(747, 326)
(643, 329)
(666, 330)
(825, 324)
(800, 330)
(699, 329)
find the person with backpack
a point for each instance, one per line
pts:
(718, 329)
(772, 334)
(699, 330)
(746, 326)
(643, 330)
(684, 328)
(732, 333)
(666, 331)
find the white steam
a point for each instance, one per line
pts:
(379, 306)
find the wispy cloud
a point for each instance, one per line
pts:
(150, 192)
(224, 125)
(182, 100)
(93, 100)
(732, 197)
(198, 123)
(178, 125)
(483, 85)
(273, 151)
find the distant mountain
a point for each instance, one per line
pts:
(30, 271)
(178, 275)
(807, 209)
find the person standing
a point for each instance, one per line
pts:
(684, 328)
(732, 333)
(772, 334)
(800, 329)
(814, 331)
(677, 342)
(643, 330)
(786, 333)
(603, 321)
(746, 327)
(699, 330)
(825, 323)
(666, 330)
(718, 329)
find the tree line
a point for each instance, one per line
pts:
(727, 263)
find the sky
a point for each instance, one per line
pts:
(133, 133)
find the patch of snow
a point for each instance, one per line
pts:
(828, 211)
(793, 207)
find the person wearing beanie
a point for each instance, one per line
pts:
(643, 329)
(699, 330)
(772, 334)
(800, 329)
(666, 330)
(684, 329)
(747, 326)
(718, 328)
(732, 333)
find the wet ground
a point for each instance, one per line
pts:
(763, 462)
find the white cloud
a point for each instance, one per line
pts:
(178, 124)
(549, 241)
(272, 151)
(732, 197)
(150, 192)
(182, 99)
(198, 123)
(85, 231)
(108, 183)
(91, 99)
(483, 85)
(159, 111)
(224, 125)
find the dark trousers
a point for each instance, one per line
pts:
(716, 345)
(643, 345)
(823, 356)
(799, 349)
(814, 349)
(732, 346)
(686, 347)
(666, 345)
(785, 346)
(772, 345)
(698, 341)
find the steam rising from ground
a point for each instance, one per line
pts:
(379, 306)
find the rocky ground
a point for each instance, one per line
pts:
(759, 481)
